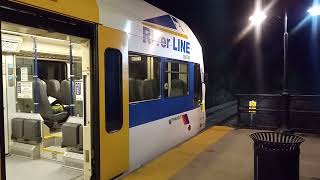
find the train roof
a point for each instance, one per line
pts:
(132, 16)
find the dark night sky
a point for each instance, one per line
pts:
(235, 67)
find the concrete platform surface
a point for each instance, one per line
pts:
(232, 159)
(221, 154)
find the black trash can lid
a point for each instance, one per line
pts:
(276, 140)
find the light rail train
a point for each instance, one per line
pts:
(94, 89)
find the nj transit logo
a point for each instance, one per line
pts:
(154, 29)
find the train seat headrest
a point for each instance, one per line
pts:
(53, 88)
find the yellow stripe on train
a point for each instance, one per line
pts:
(81, 9)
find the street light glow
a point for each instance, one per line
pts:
(257, 18)
(314, 10)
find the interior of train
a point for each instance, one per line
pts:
(45, 82)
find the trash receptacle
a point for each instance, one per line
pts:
(276, 156)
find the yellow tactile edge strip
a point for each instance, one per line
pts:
(168, 164)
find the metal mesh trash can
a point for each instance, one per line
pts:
(276, 156)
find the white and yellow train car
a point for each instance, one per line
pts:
(94, 89)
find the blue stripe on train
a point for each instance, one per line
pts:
(145, 112)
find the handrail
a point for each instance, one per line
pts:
(71, 81)
(35, 76)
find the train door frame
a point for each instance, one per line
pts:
(2, 133)
(33, 17)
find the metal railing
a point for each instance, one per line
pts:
(304, 112)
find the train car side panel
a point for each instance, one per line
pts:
(149, 140)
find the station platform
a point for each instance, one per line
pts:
(221, 153)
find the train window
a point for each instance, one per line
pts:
(52, 70)
(176, 80)
(197, 84)
(113, 90)
(47, 70)
(144, 77)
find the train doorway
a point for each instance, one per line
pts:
(46, 83)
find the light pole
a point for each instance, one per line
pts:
(256, 20)
(285, 93)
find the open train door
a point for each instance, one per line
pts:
(113, 103)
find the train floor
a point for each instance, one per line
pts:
(221, 153)
(22, 168)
